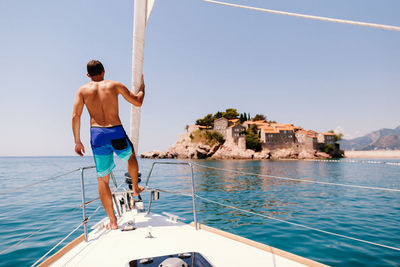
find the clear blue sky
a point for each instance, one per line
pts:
(199, 58)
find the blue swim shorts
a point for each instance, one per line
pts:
(105, 141)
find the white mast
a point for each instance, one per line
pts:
(142, 10)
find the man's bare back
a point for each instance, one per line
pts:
(101, 100)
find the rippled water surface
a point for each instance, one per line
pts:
(367, 214)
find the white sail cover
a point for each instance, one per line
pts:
(142, 10)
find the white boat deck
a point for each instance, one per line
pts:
(118, 248)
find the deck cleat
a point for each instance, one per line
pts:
(172, 217)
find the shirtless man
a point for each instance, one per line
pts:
(106, 133)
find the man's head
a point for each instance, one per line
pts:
(95, 68)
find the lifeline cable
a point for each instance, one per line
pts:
(59, 243)
(300, 180)
(343, 21)
(299, 225)
(47, 253)
(39, 182)
(37, 231)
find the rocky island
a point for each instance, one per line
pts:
(230, 135)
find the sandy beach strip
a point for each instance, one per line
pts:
(373, 154)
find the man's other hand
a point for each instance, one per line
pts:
(79, 149)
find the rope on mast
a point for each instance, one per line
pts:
(343, 21)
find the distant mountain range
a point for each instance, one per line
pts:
(383, 139)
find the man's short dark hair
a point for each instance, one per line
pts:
(94, 67)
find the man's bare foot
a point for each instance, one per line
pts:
(138, 190)
(112, 226)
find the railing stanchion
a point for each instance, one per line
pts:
(151, 170)
(85, 228)
(193, 197)
(114, 181)
(150, 200)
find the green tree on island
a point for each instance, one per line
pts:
(208, 121)
(338, 136)
(231, 113)
(328, 149)
(207, 137)
(218, 115)
(259, 117)
(243, 117)
(252, 140)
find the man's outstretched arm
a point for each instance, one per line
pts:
(137, 99)
(76, 123)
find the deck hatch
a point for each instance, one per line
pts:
(192, 259)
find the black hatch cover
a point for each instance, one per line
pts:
(191, 259)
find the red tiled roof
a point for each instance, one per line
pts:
(278, 124)
(256, 122)
(312, 133)
(266, 128)
(269, 129)
(285, 129)
(303, 131)
(328, 133)
(235, 125)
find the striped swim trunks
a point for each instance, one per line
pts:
(105, 141)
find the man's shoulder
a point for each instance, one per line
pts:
(113, 83)
(85, 86)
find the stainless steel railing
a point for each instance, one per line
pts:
(193, 195)
(85, 219)
(153, 193)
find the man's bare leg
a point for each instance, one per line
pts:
(133, 172)
(106, 199)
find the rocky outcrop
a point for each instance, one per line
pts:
(298, 154)
(184, 148)
(282, 154)
(306, 154)
(228, 151)
(321, 155)
(157, 154)
(265, 154)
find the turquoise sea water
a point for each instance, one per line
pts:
(361, 213)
